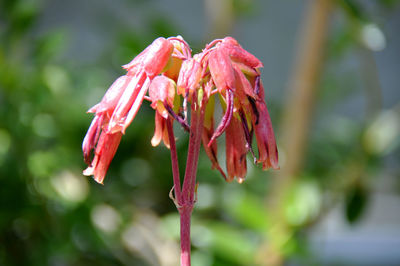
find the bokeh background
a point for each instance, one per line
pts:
(332, 75)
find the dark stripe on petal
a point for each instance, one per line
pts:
(254, 108)
(248, 134)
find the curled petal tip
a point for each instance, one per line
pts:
(238, 54)
(226, 119)
(92, 109)
(88, 171)
(99, 181)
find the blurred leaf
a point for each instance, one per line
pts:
(232, 244)
(389, 4)
(382, 136)
(249, 210)
(49, 46)
(303, 203)
(353, 8)
(22, 14)
(356, 202)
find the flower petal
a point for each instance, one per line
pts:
(226, 119)
(112, 96)
(129, 96)
(236, 150)
(162, 90)
(105, 151)
(221, 70)
(189, 77)
(268, 152)
(211, 150)
(237, 53)
(136, 105)
(91, 137)
(153, 59)
(158, 130)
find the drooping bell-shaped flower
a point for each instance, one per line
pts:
(162, 94)
(120, 104)
(106, 148)
(236, 150)
(268, 152)
(189, 77)
(160, 131)
(236, 76)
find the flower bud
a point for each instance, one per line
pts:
(162, 91)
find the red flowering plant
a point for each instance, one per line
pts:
(180, 86)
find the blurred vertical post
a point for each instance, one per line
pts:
(303, 87)
(296, 121)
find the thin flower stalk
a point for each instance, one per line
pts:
(174, 162)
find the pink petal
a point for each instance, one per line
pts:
(237, 53)
(136, 105)
(112, 96)
(125, 103)
(221, 70)
(211, 151)
(226, 119)
(268, 152)
(105, 151)
(189, 76)
(235, 151)
(91, 137)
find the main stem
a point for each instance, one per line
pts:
(185, 216)
(189, 184)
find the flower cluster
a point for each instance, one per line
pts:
(167, 75)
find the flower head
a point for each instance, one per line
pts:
(120, 105)
(236, 76)
(166, 74)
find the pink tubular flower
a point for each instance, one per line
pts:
(105, 150)
(268, 153)
(162, 94)
(189, 77)
(236, 76)
(236, 151)
(120, 104)
(160, 131)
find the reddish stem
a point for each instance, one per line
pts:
(174, 162)
(193, 155)
(189, 183)
(185, 214)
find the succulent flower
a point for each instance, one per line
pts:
(235, 74)
(166, 74)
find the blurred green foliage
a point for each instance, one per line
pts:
(52, 215)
